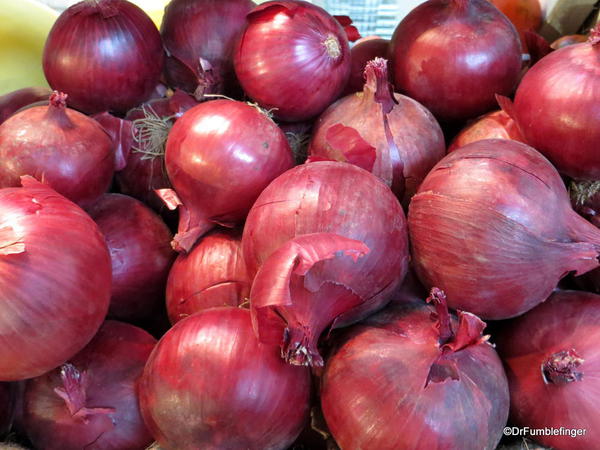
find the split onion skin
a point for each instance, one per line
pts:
(212, 274)
(106, 54)
(293, 220)
(210, 384)
(493, 125)
(566, 324)
(292, 58)
(54, 263)
(386, 133)
(139, 243)
(378, 390)
(199, 37)
(557, 108)
(475, 44)
(103, 383)
(220, 155)
(59, 146)
(497, 252)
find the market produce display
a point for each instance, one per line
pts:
(238, 226)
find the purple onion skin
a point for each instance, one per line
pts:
(206, 29)
(454, 56)
(210, 384)
(139, 243)
(107, 55)
(557, 109)
(551, 359)
(13, 101)
(376, 394)
(53, 263)
(508, 248)
(292, 58)
(111, 365)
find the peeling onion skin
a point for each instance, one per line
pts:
(76, 59)
(567, 322)
(326, 197)
(66, 278)
(497, 252)
(388, 134)
(557, 108)
(212, 274)
(220, 155)
(139, 243)
(210, 384)
(453, 56)
(493, 125)
(375, 392)
(111, 365)
(292, 58)
(59, 146)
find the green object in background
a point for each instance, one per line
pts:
(24, 25)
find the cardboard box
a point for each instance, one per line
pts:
(564, 17)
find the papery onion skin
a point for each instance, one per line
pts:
(13, 101)
(388, 134)
(477, 47)
(212, 274)
(210, 384)
(497, 252)
(566, 324)
(106, 54)
(54, 263)
(378, 392)
(322, 198)
(59, 146)
(103, 383)
(363, 51)
(557, 108)
(493, 125)
(199, 37)
(220, 155)
(139, 243)
(293, 58)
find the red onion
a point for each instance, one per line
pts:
(387, 134)
(552, 360)
(54, 278)
(210, 384)
(493, 125)
(7, 407)
(141, 255)
(292, 58)
(556, 108)
(13, 101)
(106, 54)
(91, 401)
(497, 252)
(220, 156)
(199, 36)
(59, 146)
(525, 15)
(212, 274)
(477, 47)
(361, 53)
(409, 377)
(296, 220)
